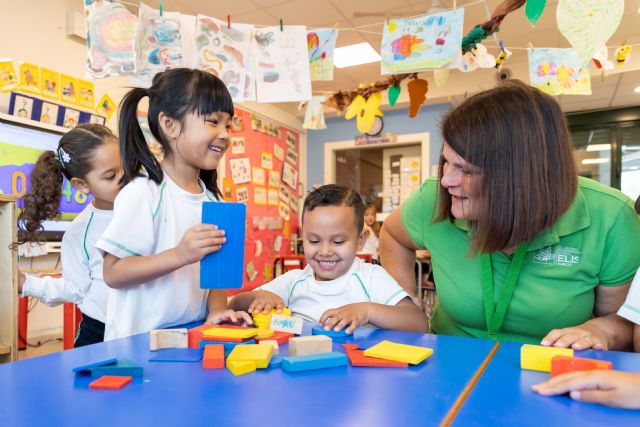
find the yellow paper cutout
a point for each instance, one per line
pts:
(85, 94)
(106, 107)
(8, 77)
(365, 111)
(69, 89)
(30, 78)
(49, 83)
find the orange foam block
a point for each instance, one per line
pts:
(213, 357)
(357, 358)
(279, 337)
(195, 335)
(564, 364)
(110, 382)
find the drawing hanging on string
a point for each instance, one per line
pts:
(321, 44)
(558, 72)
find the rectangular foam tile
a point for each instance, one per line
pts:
(314, 361)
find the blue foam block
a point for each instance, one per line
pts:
(314, 361)
(121, 367)
(228, 346)
(275, 361)
(224, 269)
(177, 355)
(90, 366)
(319, 330)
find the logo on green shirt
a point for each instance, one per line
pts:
(564, 256)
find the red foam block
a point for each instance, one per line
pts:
(564, 364)
(213, 357)
(110, 382)
(357, 358)
(278, 336)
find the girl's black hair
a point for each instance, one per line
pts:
(73, 159)
(176, 92)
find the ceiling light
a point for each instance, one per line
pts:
(637, 89)
(594, 161)
(598, 147)
(355, 54)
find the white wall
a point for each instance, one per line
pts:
(35, 31)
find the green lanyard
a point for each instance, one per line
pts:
(495, 315)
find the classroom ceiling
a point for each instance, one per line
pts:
(613, 89)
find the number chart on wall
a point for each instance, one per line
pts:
(262, 171)
(20, 148)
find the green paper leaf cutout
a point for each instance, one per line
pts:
(394, 93)
(533, 9)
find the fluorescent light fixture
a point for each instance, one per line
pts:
(355, 54)
(598, 147)
(637, 89)
(594, 161)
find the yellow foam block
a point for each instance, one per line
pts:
(399, 352)
(538, 357)
(241, 367)
(264, 333)
(230, 333)
(259, 354)
(262, 316)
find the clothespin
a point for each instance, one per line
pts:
(229, 21)
(530, 46)
(160, 7)
(280, 24)
(501, 43)
(455, 4)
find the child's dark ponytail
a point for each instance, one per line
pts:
(72, 159)
(176, 93)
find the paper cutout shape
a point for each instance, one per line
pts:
(321, 44)
(420, 43)
(111, 34)
(441, 76)
(623, 54)
(418, 89)
(252, 273)
(106, 106)
(558, 71)
(601, 59)
(314, 116)
(49, 83)
(223, 269)
(223, 50)
(365, 111)
(8, 77)
(533, 9)
(393, 93)
(588, 24)
(30, 78)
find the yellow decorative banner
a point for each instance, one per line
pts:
(30, 77)
(106, 107)
(49, 83)
(8, 77)
(85, 98)
(69, 87)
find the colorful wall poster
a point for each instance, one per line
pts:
(30, 78)
(240, 170)
(260, 196)
(71, 118)
(558, 72)
(111, 34)
(321, 43)
(259, 176)
(49, 113)
(272, 197)
(23, 107)
(85, 94)
(223, 50)
(282, 64)
(274, 178)
(8, 77)
(158, 44)
(69, 89)
(106, 106)
(420, 43)
(49, 83)
(289, 175)
(237, 145)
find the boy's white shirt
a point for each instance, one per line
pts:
(149, 219)
(309, 298)
(81, 282)
(371, 244)
(630, 310)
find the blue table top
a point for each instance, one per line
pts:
(503, 396)
(45, 391)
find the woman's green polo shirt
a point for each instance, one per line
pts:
(594, 243)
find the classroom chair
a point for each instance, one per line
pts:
(288, 262)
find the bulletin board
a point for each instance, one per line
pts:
(262, 170)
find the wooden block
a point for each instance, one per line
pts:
(110, 382)
(388, 350)
(240, 367)
(218, 332)
(195, 335)
(213, 357)
(260, 354)
(357, 358)
(176, 355)
(279, 337)
(319, 330)
(291, 324)
(168, 338)
(564, 364)
(274, 343)
(313, 361)
(123, 367)
(90, 366)
(538, 357)
(312, 344)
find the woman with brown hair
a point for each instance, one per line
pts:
(522, 249)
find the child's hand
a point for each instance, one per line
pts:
(353, 315)
(236, 317)
(265, 301)
(611, 388)
(199, 241)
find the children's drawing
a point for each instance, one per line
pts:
(321, 44)
(111, 33)
(49, 83)
(558, 71)
(237, 145)
(259, 176)
(158, 43)
(85, 93)
(284, 194)
(272, 197)
(49, 113)
(266, 160)
(289, 175)
(282, 64)
(278, 152)
(71, 118)
(260, 196)
(240, 170)
(250, 77)
(242, 194)
(8, 77)
(23, 107)
(588, 24)
(274, 178)
(30, 78)
(423, 42)
(223, 50)
(314, 116)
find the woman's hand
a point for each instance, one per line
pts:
(265, 301)
(235, 317)
(578, 337)
(351, 315)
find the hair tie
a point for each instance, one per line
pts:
(63, 157)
